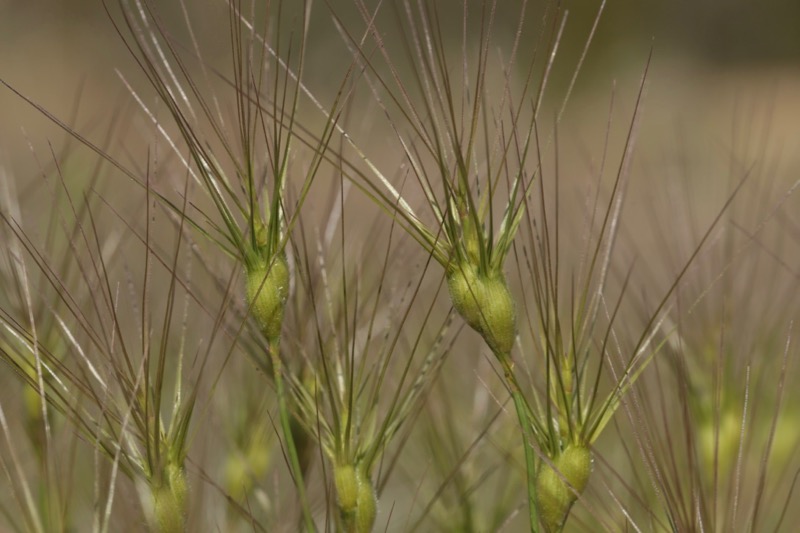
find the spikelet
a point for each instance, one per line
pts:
(169, 500)
(554, 497)
(485, 302)
(355, 497)
(267, 292)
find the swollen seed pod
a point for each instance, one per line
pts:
(169, 500)
(485, 302)
(554, 496)
(346, 483)
(246, 465)
(366, 505)
(355, 498)
(267, 292)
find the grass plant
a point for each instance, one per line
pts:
(98, 362)
(266, 319)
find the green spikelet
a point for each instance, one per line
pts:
(366, 506)
(267, 291)
(344, 478)
(356, 499)
(554, 496)
(485, 302)
(169, 500)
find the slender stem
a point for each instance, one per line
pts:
(294, 461)
(527, 435)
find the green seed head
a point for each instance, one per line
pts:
(554, 497)
(356, 499)
(169, 500)
(242, 469)
(267, 291)
(367, 504)
(485, 302)
(346, 483)
(238, 480)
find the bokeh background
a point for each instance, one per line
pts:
(709, 56)
(52, 49)
(715, 65)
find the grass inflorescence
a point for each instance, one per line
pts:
(394, 300)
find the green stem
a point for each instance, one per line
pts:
(294, 461)
(527, 434)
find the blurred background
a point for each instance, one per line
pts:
(705, 51)
(52, 49)
(714, 63)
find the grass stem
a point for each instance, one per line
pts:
(286, 427)
(523, 414)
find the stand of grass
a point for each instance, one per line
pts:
(461, 155)
(350, 355)
(266, 81)
(123, 391)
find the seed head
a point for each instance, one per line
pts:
(169, 500)
(267, 292)
(555, 493)
(355, 497)
(485, 302)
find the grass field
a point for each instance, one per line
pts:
(398, 266)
